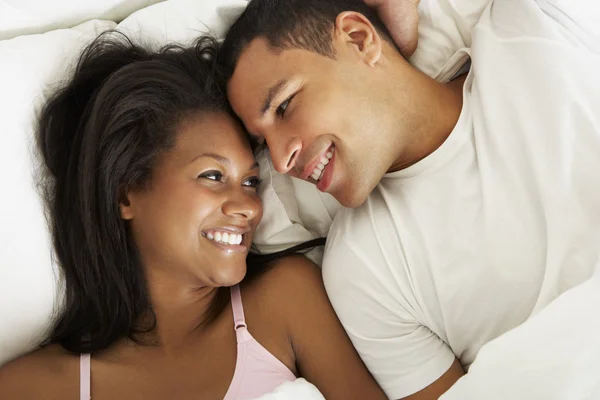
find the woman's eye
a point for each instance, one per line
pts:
(283, 107)
(212, 175)
(253, 182)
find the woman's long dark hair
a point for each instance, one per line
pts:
(98, 136)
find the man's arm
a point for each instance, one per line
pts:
(385, 325)
(441, 386)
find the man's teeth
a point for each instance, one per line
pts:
(225, 237)
(318, 171)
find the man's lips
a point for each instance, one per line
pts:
(324, 182)
(310, 167)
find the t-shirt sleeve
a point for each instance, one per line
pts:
(402, 354)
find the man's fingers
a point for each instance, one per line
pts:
(401, 17)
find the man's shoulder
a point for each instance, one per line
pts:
(363, 242)
(48, 373)
(354, 224)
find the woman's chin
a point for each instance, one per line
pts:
(230, 275)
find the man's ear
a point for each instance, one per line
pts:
(125, 207)
(355, 29)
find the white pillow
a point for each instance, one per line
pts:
(294, 211)
(25, 17)
(28, 290)
(444, 27)
(181, 21)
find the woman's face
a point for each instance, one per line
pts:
(196, 217)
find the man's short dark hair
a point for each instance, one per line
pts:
(304, 24)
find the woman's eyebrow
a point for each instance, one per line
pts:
(221, 159)
(255, 165)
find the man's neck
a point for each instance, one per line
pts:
(437, 109)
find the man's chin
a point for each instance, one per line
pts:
(350, 198)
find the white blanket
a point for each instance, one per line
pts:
(553, 356)
(300, 389)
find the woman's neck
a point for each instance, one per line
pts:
(179, 313)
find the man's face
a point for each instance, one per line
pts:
(324, 120)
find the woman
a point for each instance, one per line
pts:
(151, 196)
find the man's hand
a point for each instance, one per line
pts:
(402, 19)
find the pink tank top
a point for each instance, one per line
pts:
(257, 371)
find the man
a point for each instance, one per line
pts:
(471, 204)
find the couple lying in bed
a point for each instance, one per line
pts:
(452, 233)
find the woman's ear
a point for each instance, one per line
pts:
(355, 29)
(125, 207)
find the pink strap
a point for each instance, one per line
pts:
(85, 377)
(238, 309)
(85, 359)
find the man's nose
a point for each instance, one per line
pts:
(284, 153)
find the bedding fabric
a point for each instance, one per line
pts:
(26, 17)
(300, 389)
(553, 356)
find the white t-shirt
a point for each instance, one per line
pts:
(470, 242)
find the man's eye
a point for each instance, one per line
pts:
(211, 175)
(283, 107)
(253, 182)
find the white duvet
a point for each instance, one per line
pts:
(300, 389)
(554, 355)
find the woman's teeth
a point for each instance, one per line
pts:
(318, 171)
(225, 237)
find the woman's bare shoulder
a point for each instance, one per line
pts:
(291, 274)
(285, 285)
(47, 373)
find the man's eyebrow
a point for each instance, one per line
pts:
(273, 92)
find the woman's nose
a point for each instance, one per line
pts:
(242, 204)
